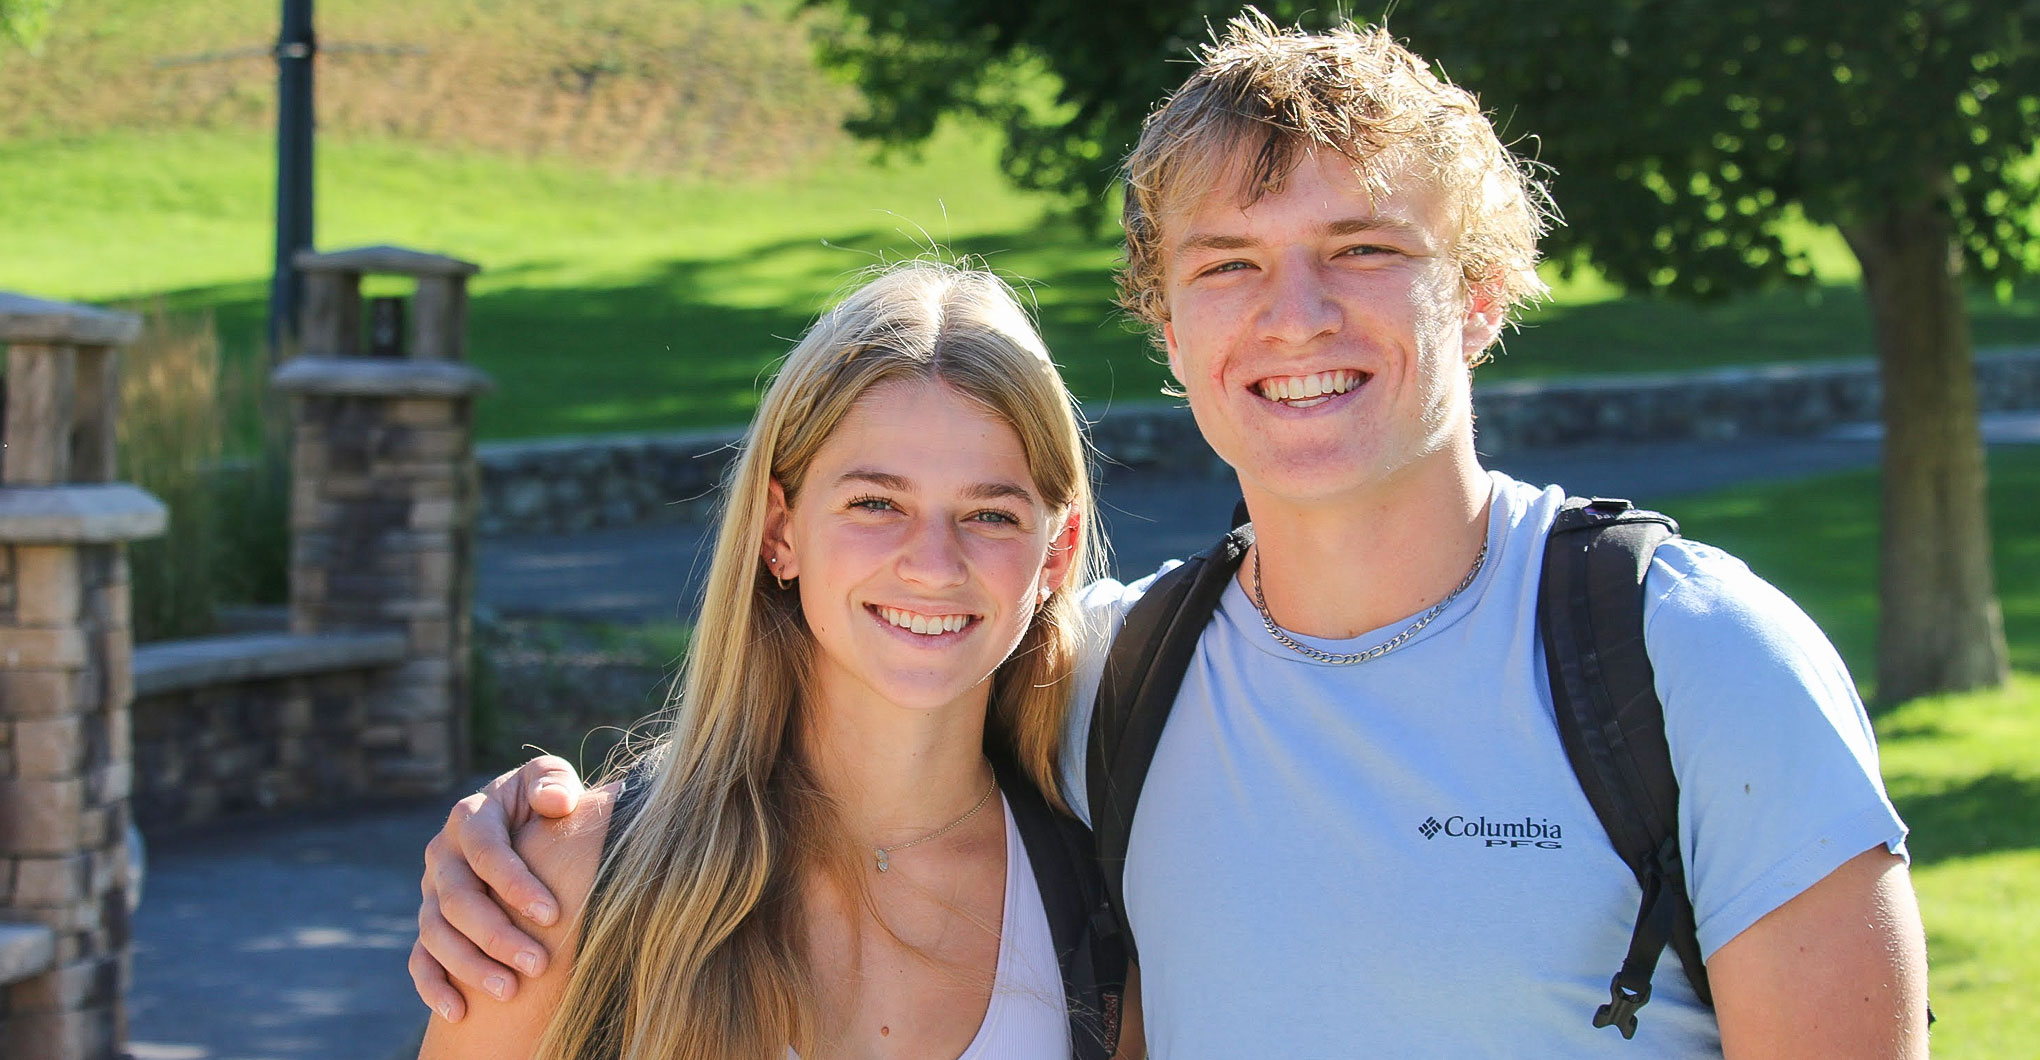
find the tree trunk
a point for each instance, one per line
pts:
(1940, 629)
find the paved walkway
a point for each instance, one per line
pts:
(286, 940)
(653, 573)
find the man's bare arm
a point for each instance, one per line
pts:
(463, 933)
(1840, 971)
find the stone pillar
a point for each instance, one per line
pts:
(65, 681)
(383, 498)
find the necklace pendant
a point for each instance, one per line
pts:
(883, 864)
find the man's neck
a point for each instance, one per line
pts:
(1339, 567)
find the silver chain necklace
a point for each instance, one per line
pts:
(1283, 638)
(885, 863)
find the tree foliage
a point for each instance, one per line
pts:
(1682, 131)
(1106, 64)
(27, 22)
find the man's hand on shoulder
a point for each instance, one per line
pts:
(464, 934)
(563, 853)
(1840, 970)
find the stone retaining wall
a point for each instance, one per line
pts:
(230, 725)
(575, 484)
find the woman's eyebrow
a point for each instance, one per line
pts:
(881, 479)
(981, 491)
(998, 491)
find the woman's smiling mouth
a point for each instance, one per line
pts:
(1305, 391)
(916, 622)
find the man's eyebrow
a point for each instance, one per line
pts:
(1344, 226)
(981, 491)
(1215, 241)
(1395, 226)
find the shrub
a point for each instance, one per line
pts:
(185, 411)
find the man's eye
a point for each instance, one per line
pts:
(1367, 250)
(1227, 266)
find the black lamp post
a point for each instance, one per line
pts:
(295, 49)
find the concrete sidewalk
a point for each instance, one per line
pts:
(283, 939)
(287, 939)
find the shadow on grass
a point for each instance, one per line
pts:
(1980, 815)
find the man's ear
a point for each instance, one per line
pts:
(1175, 355)
(1486, 313)
(1062, 550)
(778, 544)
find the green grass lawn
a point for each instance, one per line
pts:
(642, 302)
(1964, 770)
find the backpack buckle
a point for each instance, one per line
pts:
(1620, 1011)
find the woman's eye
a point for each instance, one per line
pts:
(1367, 250)
(1226, 266)
(872, 504)
(994, 516)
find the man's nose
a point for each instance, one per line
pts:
(1300, 304)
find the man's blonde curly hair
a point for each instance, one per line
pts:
(1265, 98)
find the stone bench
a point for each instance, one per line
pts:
(262, 721)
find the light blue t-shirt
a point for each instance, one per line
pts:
(1395, 859)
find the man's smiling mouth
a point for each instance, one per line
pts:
(926, 625)
(1305, 391)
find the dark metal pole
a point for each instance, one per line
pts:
(295, 49)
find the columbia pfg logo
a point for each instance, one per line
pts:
(1538, 834)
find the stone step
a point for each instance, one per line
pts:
(26, 950)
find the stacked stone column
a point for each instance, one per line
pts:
(65, 677)
(384, 492)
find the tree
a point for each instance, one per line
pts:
(1686, 136)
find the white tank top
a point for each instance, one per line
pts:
(1028, 1018)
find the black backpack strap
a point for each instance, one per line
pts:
(1142, 674)
(1087, 945)
(1590, 617)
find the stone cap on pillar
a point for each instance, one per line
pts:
(34, 321)
(431, 325)
(97, 514)
(383, 260)
(368, 377)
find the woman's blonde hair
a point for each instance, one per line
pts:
(692, 950)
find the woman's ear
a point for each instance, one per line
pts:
(1062, 551)
(776, 550)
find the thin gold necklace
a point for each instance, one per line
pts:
(885, 863)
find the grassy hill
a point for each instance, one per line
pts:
(656, 190)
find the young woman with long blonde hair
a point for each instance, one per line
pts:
(814, 854)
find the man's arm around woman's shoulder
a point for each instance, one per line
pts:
(563, 853)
